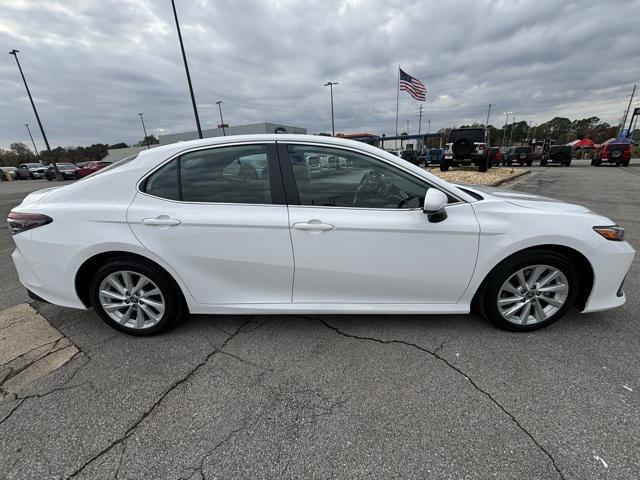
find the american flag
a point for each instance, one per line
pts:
(412, 85)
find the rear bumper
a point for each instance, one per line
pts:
(610, 270)
(51, 283)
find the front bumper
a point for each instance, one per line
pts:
(610, 268)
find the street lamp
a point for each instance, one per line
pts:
(186, 69)
(146, 138)
(15, 52)
(219, 103)
(330, 85)
(31, 136)
(506, 125)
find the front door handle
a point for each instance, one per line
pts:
(161, 221)
(313, 225)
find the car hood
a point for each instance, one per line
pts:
(529, 200)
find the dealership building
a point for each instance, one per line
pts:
(252, 128)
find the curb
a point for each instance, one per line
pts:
(508, 179)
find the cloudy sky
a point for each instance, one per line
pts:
(92, 65)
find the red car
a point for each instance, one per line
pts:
(618, 153)
(90, 167)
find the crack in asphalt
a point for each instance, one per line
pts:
(159, 400)
(435, 355)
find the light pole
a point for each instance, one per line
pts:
(506, 125)
(486, 126)
(333, 125)
(186, 69)
(31, 136)
(513, 120)
(144, 129)
(219, 103)
(15, 52)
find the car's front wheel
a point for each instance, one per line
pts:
(135, 297)
(529, 291)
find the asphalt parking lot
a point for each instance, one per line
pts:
(406, 396)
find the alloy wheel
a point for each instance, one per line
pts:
(131, 299)
(532, 294)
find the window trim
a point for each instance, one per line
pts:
(291, 186)
(278, 197)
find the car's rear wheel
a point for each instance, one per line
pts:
(135, 297)
(444, 165)
(543, 162)
(529, 291)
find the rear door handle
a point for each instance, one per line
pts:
(313, 225)
(161, 221)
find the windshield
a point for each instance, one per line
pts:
(33, 165)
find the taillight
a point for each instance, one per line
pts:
(20, 222)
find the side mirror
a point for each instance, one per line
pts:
(435, 202)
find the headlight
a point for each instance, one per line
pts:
(611, 232)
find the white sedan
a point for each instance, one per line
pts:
(237, 225)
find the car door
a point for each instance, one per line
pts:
(360, 235)
(218, 218)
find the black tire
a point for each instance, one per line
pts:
(567, 164)
(597, 163)
(529, 163)
(593, 162)
(487, 296)
(626, 163)
(444, 166)
(174, 303)
(543, 162)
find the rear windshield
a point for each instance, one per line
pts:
(559, 148)
(522, 150)
(114, 165)
(474, 134)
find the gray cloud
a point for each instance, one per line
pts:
(93, 65)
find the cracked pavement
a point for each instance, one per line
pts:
(390, 396)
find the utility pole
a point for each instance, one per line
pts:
(31, 136)
(144, 129)
(333, 126)
(626, 112)
(186, 69)
(407, 127)
(506, 125)
(486, 127)
(15, 52)
(224, 132)
(420, 121)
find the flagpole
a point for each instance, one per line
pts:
(397, 99)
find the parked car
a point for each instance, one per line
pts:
(557, 154)
(91, 167)
(434, 155)
(520, 155)
(165, 233)
(68, 171)
(410, 156)
(616, 153)
(30, 171)
(466, 146)
(494, 156)
(10, 171)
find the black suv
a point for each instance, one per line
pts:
(557, 154)
(466, 146)
(520, 155)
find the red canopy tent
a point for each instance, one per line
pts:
(584, 143)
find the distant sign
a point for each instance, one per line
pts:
(636, 111)
(280, 130)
